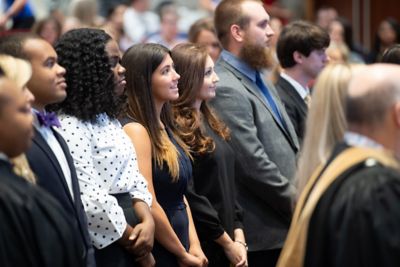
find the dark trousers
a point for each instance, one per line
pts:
(263, 258)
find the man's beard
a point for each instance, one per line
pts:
(256, 56)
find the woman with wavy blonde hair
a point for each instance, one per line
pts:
(19, 71)
(325, 123)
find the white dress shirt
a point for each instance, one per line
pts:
(55, 146)
(105, 161)
(303, 92)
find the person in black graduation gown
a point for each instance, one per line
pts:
(348, 213)
(34, 230)
(211, 195)
(349, 229)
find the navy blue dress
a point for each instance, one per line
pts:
(170, 196)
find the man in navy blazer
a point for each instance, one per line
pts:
(301, 51)
(49, 156)
(261, 132)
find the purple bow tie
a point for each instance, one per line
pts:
(48, 119)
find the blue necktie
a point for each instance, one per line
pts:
(48, 119)
(270, 101)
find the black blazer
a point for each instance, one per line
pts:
(34, 230)
(295, 106)
(50, 177)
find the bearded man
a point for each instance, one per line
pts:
(261, 132)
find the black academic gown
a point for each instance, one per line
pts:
(34, 229)
(357, 221)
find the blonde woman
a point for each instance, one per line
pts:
(325, 123)
(19, 71)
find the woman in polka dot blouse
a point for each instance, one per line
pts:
(163, 157)
(105, 159)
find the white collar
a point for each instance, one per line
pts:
(356, 139)
(303, 92)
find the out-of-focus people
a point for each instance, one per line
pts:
(261, 131)
(49, 29)
(114, 22)
(189, 12)
(19, 71)
(168, 35)
(49, 156)
(338, 53)
(392, 55)
(212, 193)
(83, 14)
(19, 12)
(162, 156)
(301, 52)
(387, 35)
(341, 33)
(203, 32)
(347, 215)
(139, 22)
(325, 15)
(34, 229)
(114, 193)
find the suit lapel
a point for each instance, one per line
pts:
(74, 179)
(289, 89)
(251, 87)
(42, 144)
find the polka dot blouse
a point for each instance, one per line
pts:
(105, 162)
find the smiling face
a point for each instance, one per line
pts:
(207, 90)
(114, 55)
(47, 83)
(164, 82)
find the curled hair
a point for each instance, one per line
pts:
(140, 61)
(301, 36)
(190, 61)
(89, 78)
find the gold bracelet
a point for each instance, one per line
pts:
(243, 244)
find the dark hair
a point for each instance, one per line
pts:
(140, 61)
(13, 44)
(89, 78)
(392, 55)
(190, 61)
(376, 51)
(300, 36)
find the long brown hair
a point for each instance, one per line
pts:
(190, 61)
(141, 61)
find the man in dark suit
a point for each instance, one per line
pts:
(301, 52)
(261, 132)
(49, 156)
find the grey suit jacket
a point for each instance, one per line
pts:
(266, 152)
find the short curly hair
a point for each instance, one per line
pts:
(89, 77)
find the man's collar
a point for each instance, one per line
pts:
(239, 65)
(357, 139)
